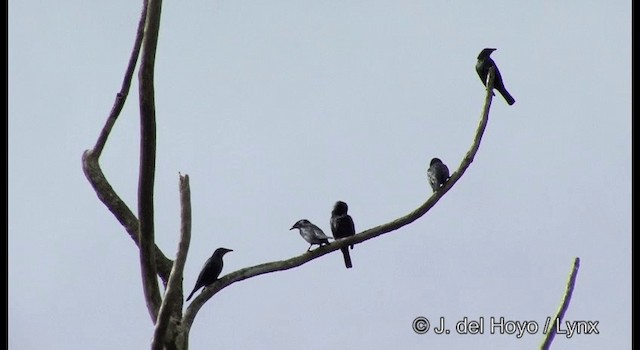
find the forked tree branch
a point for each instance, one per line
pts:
(551, 332)
(91, 158)
(146, 178)
(172, 301)
(113, 202)
(248, 272)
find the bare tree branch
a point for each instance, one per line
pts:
(172, 302)
(120, 210)
(121, 96)
(261, 269)
(551, 333)
(146, 178)
(91, 165)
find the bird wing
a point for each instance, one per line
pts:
(308, 235)
(334, 226)
(342, 226)
(319, 234)
(351, 226)
(444, 170)
(206, 268)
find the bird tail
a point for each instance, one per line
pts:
(507, 96)
(190, 295)
(347, 257)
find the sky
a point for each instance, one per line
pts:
(278, 109)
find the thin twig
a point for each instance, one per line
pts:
(121, 96)
(551, 332)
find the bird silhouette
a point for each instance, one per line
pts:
(211, 270)
(438, 174)
(482, 67)
(311, 233)
(342, 227)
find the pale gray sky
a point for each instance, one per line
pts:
(276, 109)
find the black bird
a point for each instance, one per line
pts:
(342, 227)
(311, 233)
(211, 270)
(482, 67)
(438, 174)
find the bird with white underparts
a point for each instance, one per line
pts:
(311, 233)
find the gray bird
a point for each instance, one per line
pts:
(342, 227)
(482, 68)
(438, 174)
(211, 270)
(311, 233)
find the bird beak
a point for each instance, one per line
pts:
(292, 227)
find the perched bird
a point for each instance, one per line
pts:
(342, 227)
(311, 233)
(438, 174)
(482, 67)
(211, 270)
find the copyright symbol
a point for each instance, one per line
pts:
(421, 325)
